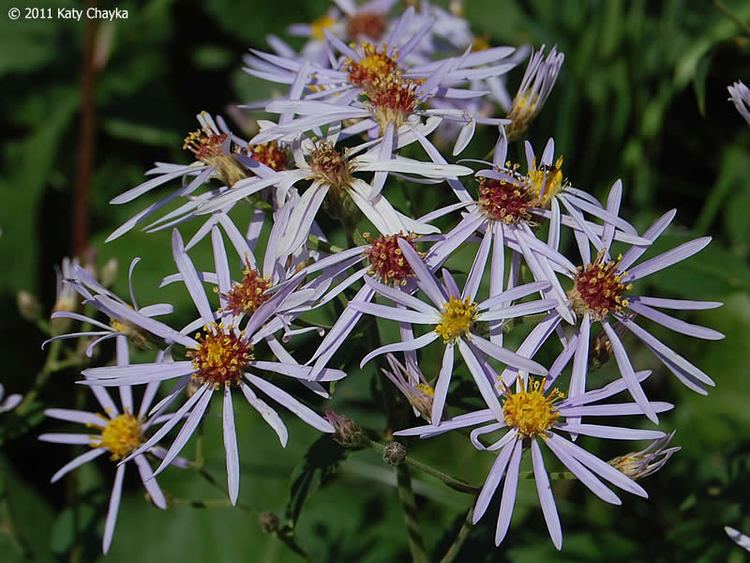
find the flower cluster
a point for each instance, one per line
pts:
(373, 104)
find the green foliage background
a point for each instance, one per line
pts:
(642, 97)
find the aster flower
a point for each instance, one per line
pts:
(453, 315)
(404, 103)
(536, 85)
(221, 358)
(118, 432)
(66, 298)
(80, 281)
(10, 402)
(508, 209)
(602, 294)
(220, 155)
(334, 181)
(647, 461)
(739, 95)
(412, 384)
(531, 417)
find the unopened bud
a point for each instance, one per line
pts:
(394, 453)
(268, 522)
(347, 432)
(28, 306)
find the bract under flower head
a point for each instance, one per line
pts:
(121, 436)
(530, 411)
(387, 261)
(598, 288)
(221, 356)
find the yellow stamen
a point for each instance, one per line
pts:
(530, 411)
(318, 27)
(121, 436)
(456, 319)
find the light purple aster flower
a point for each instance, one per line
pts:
(647, 461)
(222, 358)
(119, 433)
(452, 315)
(84, 283)
(220, 155)
(536, 85)
(412, 384)
(601, 295)
(739, 95)
(531, 417)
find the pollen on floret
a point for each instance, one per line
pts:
(387, 261)
(530, 411)
(366, 24)
(393, 100)
(270, 154)
(247, 295)
(318, 27)
(546, 180)
(121, 436)
(134, 334)
(330, 166)
(598, 288)
(222, 356)
(214, 150)
(456, 319)
(375, 65)
(507, 200)
(523, 111)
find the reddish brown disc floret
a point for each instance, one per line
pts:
(598, 289)
(505, 200)
(249, 294)
(387, 262)
(366, 24)
(270, 154)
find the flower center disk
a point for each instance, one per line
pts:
(329, 165)
(249, 294)
(376, 65)
(221, 357)
(598, 289)
(547, 180)
(456, 319)
(530, 411)
(393, 100)
(505, 200)
(270, 154)
(121, 436)
(387, 262)
(212, 149)
(366, 24)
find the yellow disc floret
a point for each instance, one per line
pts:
(530, 411)
(121, 436)
(318, 27)
(456, 319)
(547, 180)
(221, 357)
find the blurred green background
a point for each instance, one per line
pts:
(642, 96)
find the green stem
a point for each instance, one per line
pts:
(411, 514)
(41, 379)
(460, 538)
(732, 16)
(452, 482)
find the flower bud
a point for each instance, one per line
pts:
(394, 453)
(28, 306)
(347, 432)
